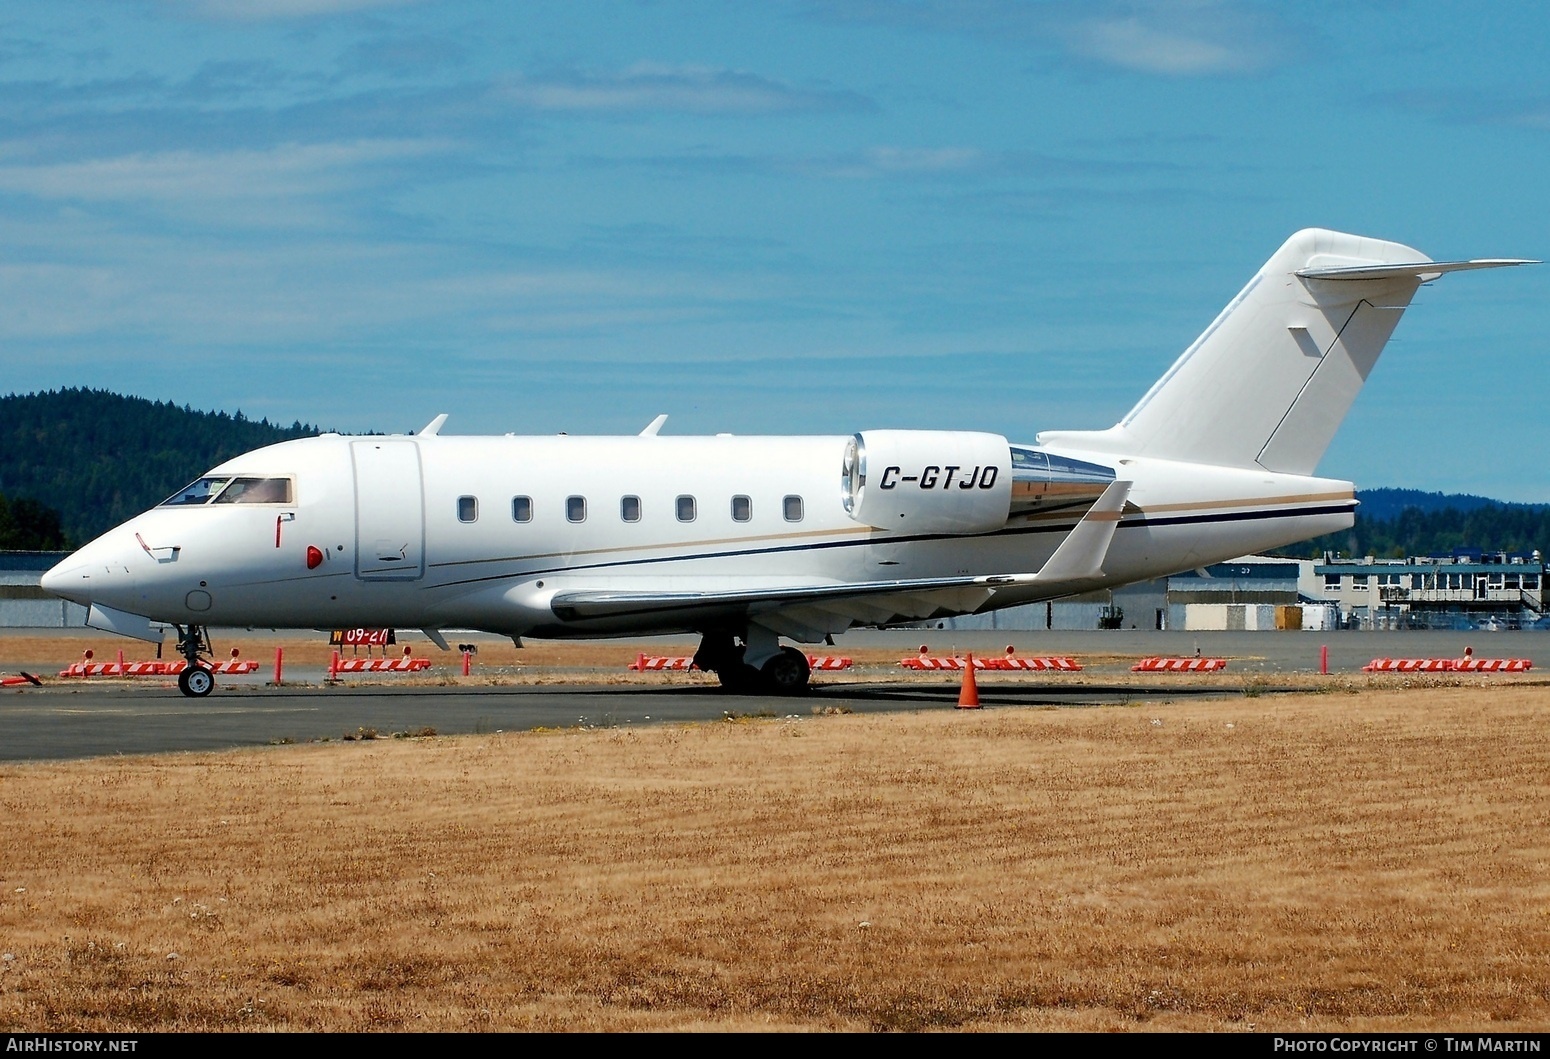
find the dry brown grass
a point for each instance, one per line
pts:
(1365, 861)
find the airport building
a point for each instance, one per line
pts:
(1468, 589)
(1254, 593)
(23, 604)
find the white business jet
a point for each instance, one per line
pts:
(745, 540)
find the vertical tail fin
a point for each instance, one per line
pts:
(1270, 380)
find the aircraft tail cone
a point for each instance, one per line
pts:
(969, 694)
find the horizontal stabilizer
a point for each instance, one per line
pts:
(1422, 270)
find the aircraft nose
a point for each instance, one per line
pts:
(97, 573)
(70, 579)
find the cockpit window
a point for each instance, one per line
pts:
(256, 491)
(227, 490)
(198, 492)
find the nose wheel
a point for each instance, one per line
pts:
(195, 681)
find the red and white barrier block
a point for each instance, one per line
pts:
(925, 662)
(1179, 665)
(23, 677)
(1466, 664)
(645, 663)
(383, 665)
(406, 664)
(87, 668)
(660, 663)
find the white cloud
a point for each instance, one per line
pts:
(1174, 38)
(285, 171)
(1134, 45)
(266, 10)
(684, 88)
(894, 161)
(923, 159)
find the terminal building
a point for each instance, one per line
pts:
(1468, 589)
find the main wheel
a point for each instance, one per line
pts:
(738, 678)
(196, 682)
(787, 673)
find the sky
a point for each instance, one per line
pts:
(794, 216)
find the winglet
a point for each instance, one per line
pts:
(654, 426)
(1080, 556)
(433, 428)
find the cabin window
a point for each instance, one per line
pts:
(1331, 581)
(1531, 581)
(792, 508)
(629, 508)
(522, 509)
(1359, 581)
(467, 509)
(685, 508)
(742, 509)
(576, 508)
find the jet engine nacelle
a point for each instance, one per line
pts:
(928, 481)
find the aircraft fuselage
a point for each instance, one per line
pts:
(484, 532)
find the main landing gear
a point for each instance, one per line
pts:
(757, 666)
(196, 680)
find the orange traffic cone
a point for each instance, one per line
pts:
(969, 694)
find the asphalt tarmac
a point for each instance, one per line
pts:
(66, 720)
(60, 723)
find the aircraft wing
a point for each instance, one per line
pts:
(804, 609)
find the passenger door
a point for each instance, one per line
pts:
(389, 510)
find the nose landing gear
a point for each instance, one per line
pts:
(196, 681)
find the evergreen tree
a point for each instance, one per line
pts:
(28, 526)
(99, 458)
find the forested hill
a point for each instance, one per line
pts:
(99, 458)
(1384, 504)
(1393, 523)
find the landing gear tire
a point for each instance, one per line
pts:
(196, 682)
(787, 673)
(738, 678)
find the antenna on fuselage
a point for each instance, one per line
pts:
(433, 428)
(654, 426)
